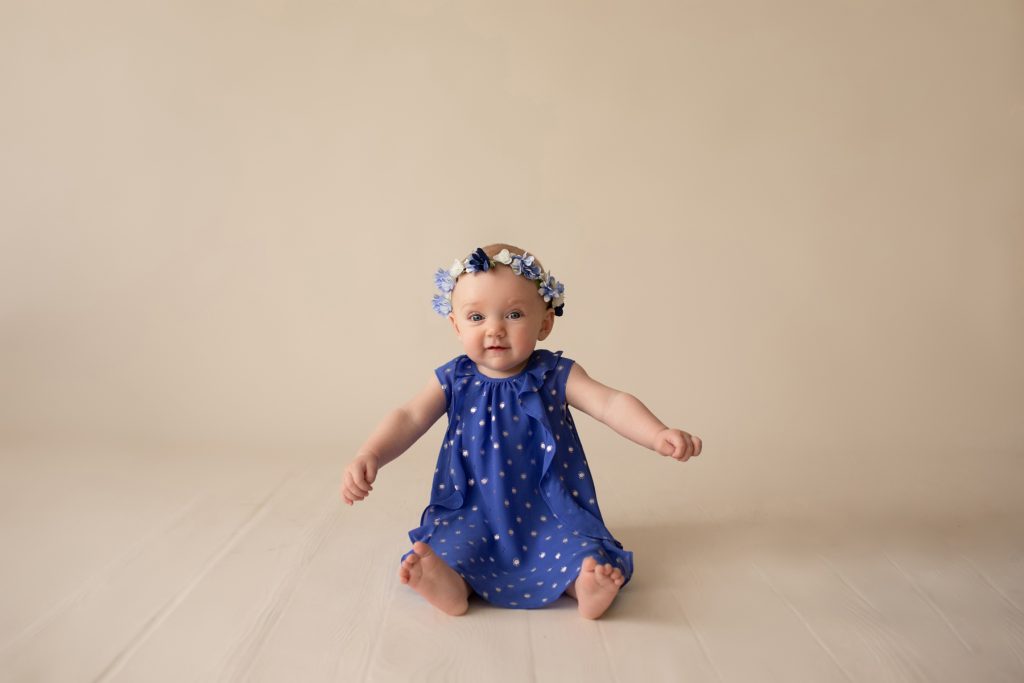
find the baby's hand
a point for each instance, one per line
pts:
(677, 444)
(359, 474)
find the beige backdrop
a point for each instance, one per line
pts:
(794, 229)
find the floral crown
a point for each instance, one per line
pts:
(550, 289)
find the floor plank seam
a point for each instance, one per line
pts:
(240, 662)
(378, 636)
(151, 625)
(803, 620)
(931, 603)
(863, 598)
(696, 634)
(1009, 601)
(88, 586)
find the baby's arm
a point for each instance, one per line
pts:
(399, 430)
(628, 416)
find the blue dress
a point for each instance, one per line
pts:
(513, 508)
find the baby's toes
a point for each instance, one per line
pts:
(410, 568)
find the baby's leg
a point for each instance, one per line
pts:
(595, 587)
(432, 578)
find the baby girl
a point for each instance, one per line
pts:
(513, 513)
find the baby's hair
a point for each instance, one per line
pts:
(492, 249)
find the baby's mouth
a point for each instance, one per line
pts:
(497, 348)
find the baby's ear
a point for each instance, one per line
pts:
(455, 325)
(547, 324)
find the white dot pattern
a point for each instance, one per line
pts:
(507, 536)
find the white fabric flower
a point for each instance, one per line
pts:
(456, 268)
(503, 256)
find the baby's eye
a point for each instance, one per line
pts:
(475, 317)
(515, 315)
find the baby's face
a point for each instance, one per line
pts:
(499, 318)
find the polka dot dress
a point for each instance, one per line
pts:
(513, 508)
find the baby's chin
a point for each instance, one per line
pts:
(499, 364)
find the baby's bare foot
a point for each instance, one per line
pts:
(596, 587)
(432, 578)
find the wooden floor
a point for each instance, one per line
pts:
(139, 564)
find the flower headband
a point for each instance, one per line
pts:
(550, 289)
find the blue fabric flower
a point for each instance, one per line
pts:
(523, 265)
(442, 306)
(444, 280)
(478, 260)
(558, 309)
(552, 289)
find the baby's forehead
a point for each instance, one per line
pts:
(506, 287)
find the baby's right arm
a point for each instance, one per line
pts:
(393, 436)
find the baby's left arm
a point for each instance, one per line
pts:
(628, 416)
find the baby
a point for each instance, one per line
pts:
(513, 513)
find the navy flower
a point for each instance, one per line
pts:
(442, 305)
(478, 260)
(444, 280)
(558, 309)
(523, 265)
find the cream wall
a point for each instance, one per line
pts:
(795, 229)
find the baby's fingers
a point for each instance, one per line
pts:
(683, 446)
(679, 445)
(691, 447)
(345, 496)
(687, 447)
(673, 447)
(684, 449)
(354, 492)
(358, 479)
(351, 495)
